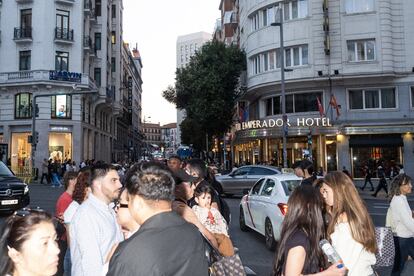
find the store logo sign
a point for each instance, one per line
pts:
(65, 76)
(272, 123)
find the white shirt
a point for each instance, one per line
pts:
(402, 217)
(70, 212)
(356, 259)
(93, 232)
(217, 225)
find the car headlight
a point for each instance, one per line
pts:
(26, 189)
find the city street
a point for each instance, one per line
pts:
(251, 245)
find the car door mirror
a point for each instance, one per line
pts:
(246, 191)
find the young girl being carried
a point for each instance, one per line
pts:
(211, 218)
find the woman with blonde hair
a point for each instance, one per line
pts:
(350, 228)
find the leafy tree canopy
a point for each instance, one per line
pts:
(207, 89)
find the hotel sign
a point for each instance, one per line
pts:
(275, 123)
(65, 76)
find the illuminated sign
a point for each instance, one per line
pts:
(65, 76)
(273, 123)
(61, 106)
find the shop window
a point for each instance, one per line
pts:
(60, 146)
(372, 98)
(61, 107)
(20, 153)
(23, 106)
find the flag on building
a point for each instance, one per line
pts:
(335, 105)
(320, 107)
(243, 111)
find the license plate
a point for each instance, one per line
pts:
(9, 202)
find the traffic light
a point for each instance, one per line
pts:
(36, 137)
(37, 111)
(309, 139)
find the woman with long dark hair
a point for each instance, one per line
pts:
(302, 229)
(400, 218)
(350, 227)
(28, 244)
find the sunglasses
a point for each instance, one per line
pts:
(27, 211)
(119, 205)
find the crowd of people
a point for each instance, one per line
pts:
(157, 219)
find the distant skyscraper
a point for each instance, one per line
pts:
(187, 45)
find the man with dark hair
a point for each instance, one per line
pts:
(174, 163)
(94, 230)
(165, 244)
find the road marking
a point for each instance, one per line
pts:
(249, 271)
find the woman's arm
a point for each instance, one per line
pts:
(295, 262)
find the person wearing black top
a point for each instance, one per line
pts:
(302, 229)
(165, 244)
(304, 169)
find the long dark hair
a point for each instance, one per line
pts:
(82, 183)
(304, 214)
(17, 230)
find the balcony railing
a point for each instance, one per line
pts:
(23, 33)
(63, 34)
(38, 76)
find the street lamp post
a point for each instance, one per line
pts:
(279, 22)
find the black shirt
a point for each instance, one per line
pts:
(164, 245)
(299, 238)
(308, 181)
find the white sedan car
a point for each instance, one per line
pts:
(264, 207)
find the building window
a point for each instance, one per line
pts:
(295, 9)
(412, 96)
(255, 21)
(97, 76)
(61, 106)
(361, 50)
(372, 98)
(264, 17)
(23, 106)
(97, 41)
(62, 61)
(26, 19)
(62, 19)
(295, 103)
(25, 60)
(113, 64)
(113, 11)
(256, 65)
(296, 56)
(358, 6)
(98, 7)
(113, 37)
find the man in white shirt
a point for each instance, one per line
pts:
(94, 230)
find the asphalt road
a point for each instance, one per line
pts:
(251, 245)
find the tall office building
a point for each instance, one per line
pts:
(187, 45)
(67, 56)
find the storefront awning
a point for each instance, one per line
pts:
(392, 140)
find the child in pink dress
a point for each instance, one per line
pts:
(211, 218)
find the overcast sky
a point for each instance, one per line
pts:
(155, 25)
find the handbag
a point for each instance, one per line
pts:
(220, 265)
(385, 244)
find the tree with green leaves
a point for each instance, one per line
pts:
(207, 89)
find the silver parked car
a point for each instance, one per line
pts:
(244, 178)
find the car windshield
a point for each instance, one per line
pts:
(290, 185)
(4, 171)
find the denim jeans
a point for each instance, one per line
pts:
(55, 180)
(67, 264)
(405, 248)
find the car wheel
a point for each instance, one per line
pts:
(242, 221)
(269, 235)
